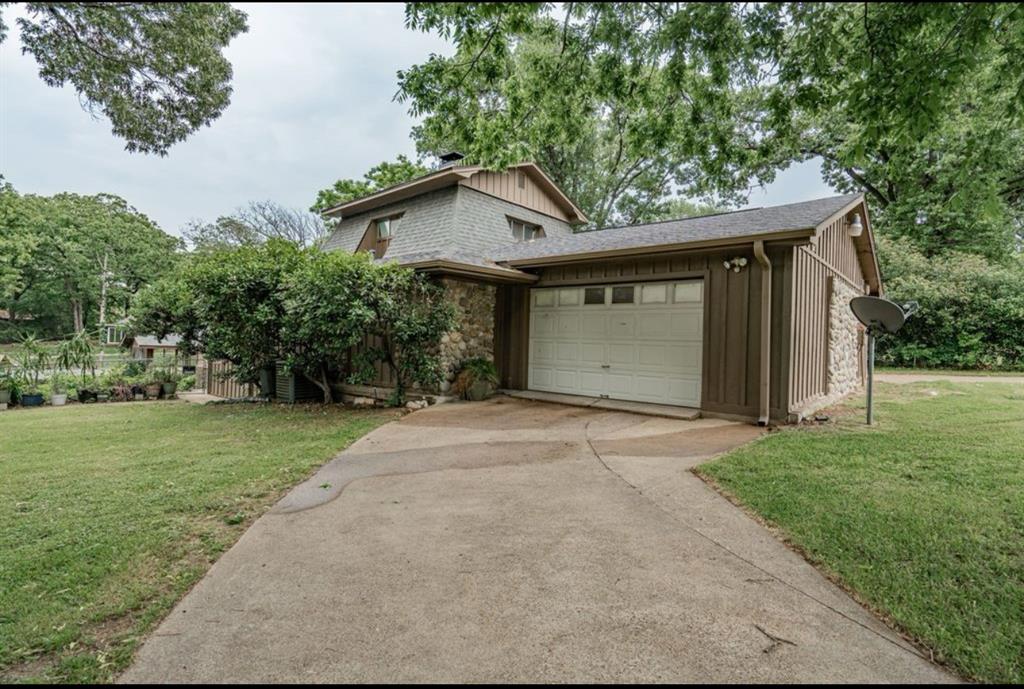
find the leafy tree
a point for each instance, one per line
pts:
(972, 309)
(79, 255)
(379, 177)
(255, 305)
(257, 222)
(324, 314)
(238, 303)
(17, 241)
(410, 314)
(918, 105)
(155, 70)
(168, 306)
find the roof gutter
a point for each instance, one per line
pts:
(467, 270)
(764, 400)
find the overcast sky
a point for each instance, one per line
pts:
(312, 103)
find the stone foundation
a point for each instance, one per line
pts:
(845, 337)
(473, 335)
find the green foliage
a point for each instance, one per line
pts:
(972, 309)
(239, 304)
(257, 304)
(59, 384)
(33, 358)
(187, 382)
(13, 383)
(381, 176)
(164, 307)
(76, 352)
(155, 70)
(16, 244)
(325, 315)
(625, 104)
(480, 369)
(408, 316)
(84, 255)
(472, 371)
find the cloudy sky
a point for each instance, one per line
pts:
(312, 103)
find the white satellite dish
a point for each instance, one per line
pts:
(880, 317)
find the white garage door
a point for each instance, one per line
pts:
(638, 342)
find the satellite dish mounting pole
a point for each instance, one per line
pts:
(879, 317)
(871, 373)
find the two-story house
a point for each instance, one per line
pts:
(741, 314)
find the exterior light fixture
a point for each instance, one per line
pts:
(856, 226)
(735, 264)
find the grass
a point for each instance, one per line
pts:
(109, 513)
(949, 371)
(921, 516)
(11, 348)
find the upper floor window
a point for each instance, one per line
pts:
(386, 228)
(524, 231)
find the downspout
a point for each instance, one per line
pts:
(764, 402)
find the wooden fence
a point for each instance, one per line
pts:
(383, 376)
(220, 381)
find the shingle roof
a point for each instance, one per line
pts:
(448, 256)
(738, 224)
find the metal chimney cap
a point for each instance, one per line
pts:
(450, 157)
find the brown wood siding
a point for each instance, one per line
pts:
(836, 248)
(832, 256)
(220, 381)
(505, 185)
(512, 335)
(732, 321)
(809, 328)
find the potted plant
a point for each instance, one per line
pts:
(88, 389)
(33, 358)
(477, 379)
(153, 384)
(79, 354)
(170, 386)
(58, 390)
(9, 388)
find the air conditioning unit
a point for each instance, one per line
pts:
(291, 387)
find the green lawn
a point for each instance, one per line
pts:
(109, 513)
(949, 371)
(922, 516)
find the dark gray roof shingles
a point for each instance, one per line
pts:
(744, 223)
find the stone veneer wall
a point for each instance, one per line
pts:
(844, 342)
(473, 335)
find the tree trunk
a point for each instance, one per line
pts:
(76, 315)
(321, 382)
(104, 280)
(326, 386)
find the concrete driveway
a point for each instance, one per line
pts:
(516, 541)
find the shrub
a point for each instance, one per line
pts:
(473, 371)
(187, 382)
(257, 305)
(972, 309)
